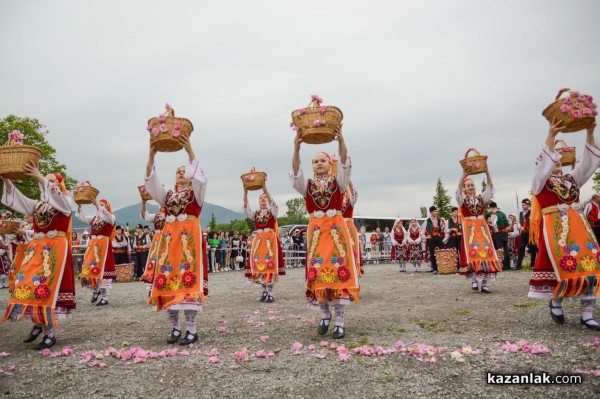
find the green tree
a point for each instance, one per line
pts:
(442, 200)
(34, 134)
(296, 212)
(596, 180)
(423, 212)
(213, 223)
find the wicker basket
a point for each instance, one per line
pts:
(474, 164)
(84, 194)
(317, 123)
(446, 260)
(576, 111)
(8, 226)
(165, 141)
(500, 255)
(125, 272)
(254, 180)
(568, 153)
(144, 193)
(13, 159)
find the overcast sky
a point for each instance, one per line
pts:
(418, 82)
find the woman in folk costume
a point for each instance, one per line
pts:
(514, 234)
(19, 243)
(44, 286)
(181, 274)
(331, 270)
(120, 246)
(158, 219)
(477, 256)
(98, 270)
(5, 259)
(413, 240)
(350, 198)
(567, 264)
(265, 261)
(399, 244)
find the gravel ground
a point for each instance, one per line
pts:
(440, 311)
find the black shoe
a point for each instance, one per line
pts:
(475, 286)
(33, 334)
(559, 319)
(174, 336)
(338, 332)
(47, 342)
(435, 272)
(264, 296)
(189, 338)
(95, 296)
(322, 330)
(270, 299)
(594, 327)
(485, 289)
(103, 302)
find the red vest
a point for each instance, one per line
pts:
(593, 215)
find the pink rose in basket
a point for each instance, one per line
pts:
(149, 128)
(302, 111)
(594, 112)
(249, 178)
(581, 98)
(168, 106)
(322, 110)
(15, 135)
(318, 123)
(565, 108)
(469, 163)
(568, 100)
(590, 98)
(574, 93)
(175, 133)
(576, 105)
(576, 114)
(587, 111)
(155, 131)
(315, 97)
(161, 118)
(177, 124)
(295, 128)
(163, 128)
(477, 165)
(594, 105)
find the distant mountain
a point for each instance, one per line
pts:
(131, 214)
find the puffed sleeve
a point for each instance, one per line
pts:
(343, 174)
(53, 196)
(13, 198)
(543, 169)
(590, 161)
(156, 190)
(299, 182)
(199, 180)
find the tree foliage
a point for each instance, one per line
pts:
(296, 212)
(442, 200)
(423, 211)
(34, 134)
(241, 226)
(213, 223)
(596, 180)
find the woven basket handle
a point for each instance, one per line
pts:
(471, 150)
(313, 104)
(559, 141)
(170, 112)
(560, 92)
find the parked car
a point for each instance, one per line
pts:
(290, 228)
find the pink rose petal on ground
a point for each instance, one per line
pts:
(344, 357)
(257, 312)
(271, 310)
(214, 360)
(4, 354)
(259, 324)
(320, 355)
(264, 354)
(241, 355)
(296, 346)
(264, 338)
(324, 344)
(46, 352)
(234, 367)
(296, 353)
(311, 347)
(222, 321)
(222, 330)
(431, 360)
(184, 353)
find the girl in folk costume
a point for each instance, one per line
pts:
(120, 247)
(567, 263)
(331, 270)
(413, 245)
(5, 259)
(477, 256)
(98, 271)
(180, 275)
(350, 198)
(454, 234)
(399, 244)
(514, 233)
(44, 286)
(265, 261)
(20, 241)
(158, 219)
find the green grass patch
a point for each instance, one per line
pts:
(385, 378)
(462, 313)
(362, 341)
(529, 304)
(397, 329)
(432, 326)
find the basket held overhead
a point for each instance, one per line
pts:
(568, 153)
(84, 193)
(14, 156)
(166, 128)
(253, 180)
(474, 164)
(316, 123)
(576, 111)
(144, 193)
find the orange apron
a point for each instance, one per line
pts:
(93, 262)
(15, 266)
(478, 246)
(148, 276)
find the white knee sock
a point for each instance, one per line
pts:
(587, 310)
(325, 314)
(48, 331)
(557, 303)
(339, 314)
(190, 320)
(174, 319)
